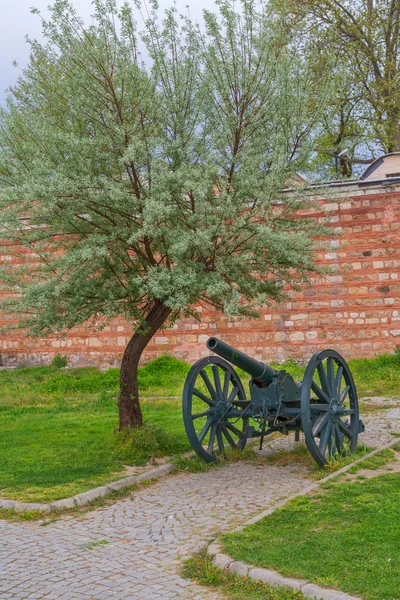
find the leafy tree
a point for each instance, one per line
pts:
(364, 37)
(137, 189)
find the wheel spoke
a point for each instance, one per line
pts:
(320, 393)
(209, 386)
(319, 423)
(234, 429)
(227, 379)
(220, 441)
(232, 395)
(344, 394)
(338, 381)
(210, 448)
(323, 379)
(228, 436)
(331, 375)
(323, 407)
(217, 382)
(338, 438)
(200, 395)
(204, 430)
(345, 430)
(332, 442)
(202, 414)
(324, 437)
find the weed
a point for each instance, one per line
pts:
(95, 544)
(59, 361)
(191, 464)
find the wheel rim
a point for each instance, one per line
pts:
(329, 407)
(214, 408)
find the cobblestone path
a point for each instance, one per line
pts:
(146, 536)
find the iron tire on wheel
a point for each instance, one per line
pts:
(223, 420)
(329, 406)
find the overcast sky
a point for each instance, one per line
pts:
(16, 21)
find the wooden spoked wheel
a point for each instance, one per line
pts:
(329, 407)
(214, 408)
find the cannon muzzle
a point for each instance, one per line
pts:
(258, 370)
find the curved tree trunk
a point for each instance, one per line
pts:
(130, 414)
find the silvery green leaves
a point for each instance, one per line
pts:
(142, 160)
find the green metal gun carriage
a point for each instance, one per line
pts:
(218, 414)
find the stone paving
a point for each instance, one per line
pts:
(146, 536)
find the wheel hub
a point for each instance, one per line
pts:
(335, 410)
(220, 409)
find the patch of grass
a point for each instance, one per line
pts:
(58, 434)
(195, 464)
(341, 460)
(347, 538)
(200, 569)
(191, 464)
(36, 386)
(370, 408)
(59, 361)
(97, 543)
(300, 454)
(377, 461)
(45, 457)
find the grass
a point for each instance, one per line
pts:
(347, 537)
(57, 434)
(97, 543)
(301, 455)
(375, 462)
(200, 569)
(195, 464)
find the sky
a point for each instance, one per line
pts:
(16, 22)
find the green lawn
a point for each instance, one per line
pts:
(347, 537)
(57, 426)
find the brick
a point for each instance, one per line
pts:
(356, 303)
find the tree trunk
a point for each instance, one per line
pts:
(130, 414)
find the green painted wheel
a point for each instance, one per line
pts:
(214, 408)
(329, 407)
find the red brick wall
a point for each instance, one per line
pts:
(355, 309)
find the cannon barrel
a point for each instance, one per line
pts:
(258, 370)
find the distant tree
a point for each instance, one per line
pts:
(138, 189)
(364, 37)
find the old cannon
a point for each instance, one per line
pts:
(218, 414)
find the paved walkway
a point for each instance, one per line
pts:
(149, 533)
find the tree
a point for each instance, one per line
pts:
(364, 36)
(143, 188)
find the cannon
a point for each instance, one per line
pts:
(218, 414)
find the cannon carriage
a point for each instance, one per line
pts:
(218, 414)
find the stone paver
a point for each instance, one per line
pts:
(149, 533)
